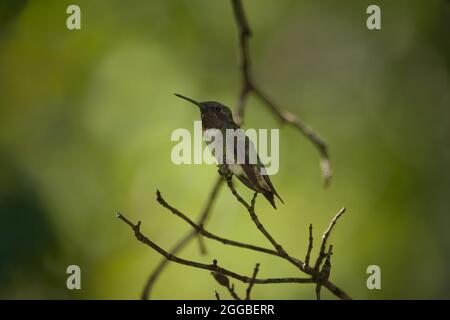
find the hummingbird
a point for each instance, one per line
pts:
(215, 115)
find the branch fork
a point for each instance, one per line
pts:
(320, 277)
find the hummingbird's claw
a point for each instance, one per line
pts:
(224, 171)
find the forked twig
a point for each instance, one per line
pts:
(325, 236)
(319, 277)
(211, 267)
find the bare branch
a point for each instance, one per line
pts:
(244, 58)
(248, 86)
(184, 240)
(279, 252)
(221, 278)
(259, 225)
(250, 286)
(207, 234)
(318, 289)
(336, 291)
(326, 268)
(211, 267)
(171, 257)
(282, 253)
(224, 281)
(308, 270)
(233, 293)
(324, 274)
(310, 246)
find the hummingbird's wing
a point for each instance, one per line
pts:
(240, 174)
(249, 161)
(267, 179)
(249, 169)
(260, 183)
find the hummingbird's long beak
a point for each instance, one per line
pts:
(198, 104)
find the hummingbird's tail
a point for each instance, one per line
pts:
(279, 198)
(269, 196)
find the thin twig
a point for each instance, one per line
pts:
(310, 245)
(250, 286)
(201, 245)
(318, 288)
(326, 268)
(247, 87)
(282, 253)
(233, 293)
(324, 272)
(325, 236)
(211, 267)
(244, 58)
(259, 225)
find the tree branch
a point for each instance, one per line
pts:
(305, 268)
(233, 293)
(207, 234)
(282, 253)
(325, 236)
(244, 58)
(310, 246)
(220, 273)
(293, 120)
(250, 286)
(248, 86)
(183, 241)
(251, 210)
(324, 273)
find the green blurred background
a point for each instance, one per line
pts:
(86, 118)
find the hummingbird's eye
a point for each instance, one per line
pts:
(218, 109)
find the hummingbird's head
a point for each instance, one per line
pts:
(214, 114)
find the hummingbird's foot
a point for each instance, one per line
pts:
(224, 171)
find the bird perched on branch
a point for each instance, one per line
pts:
(236, 153)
